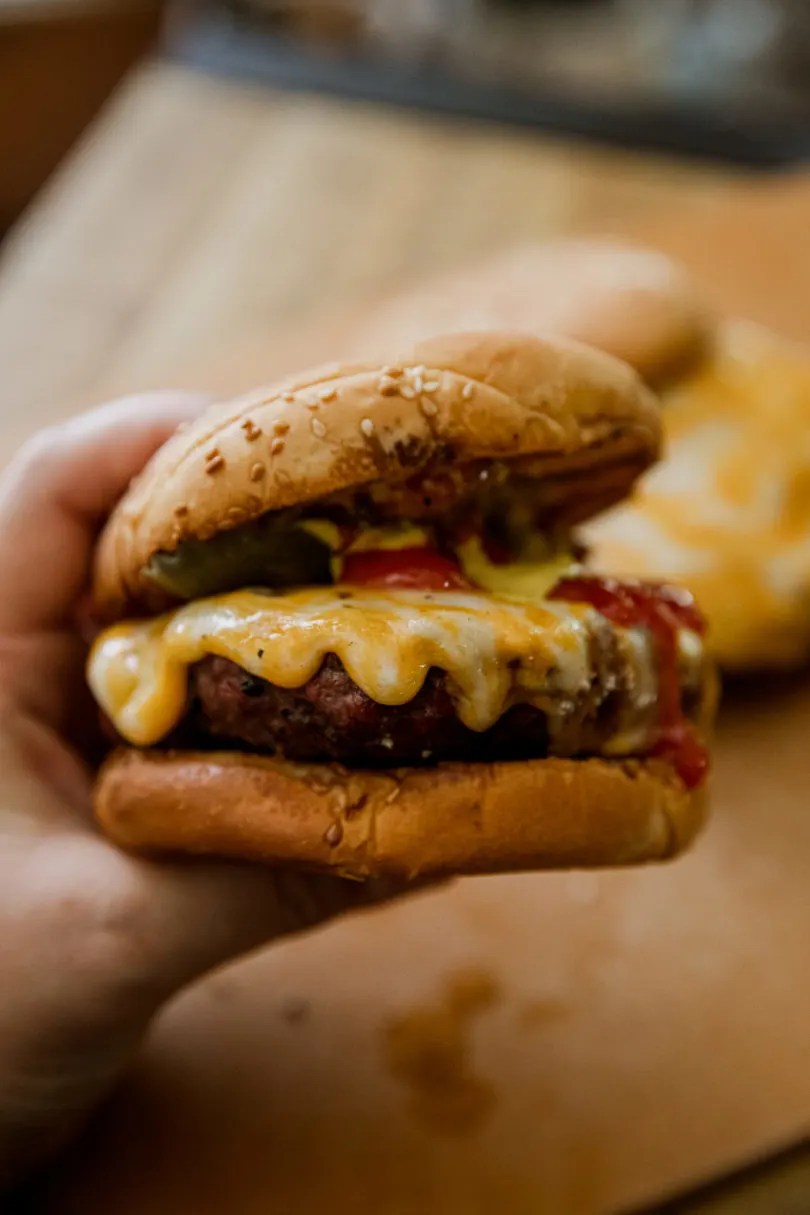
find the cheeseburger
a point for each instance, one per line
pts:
(350, 630)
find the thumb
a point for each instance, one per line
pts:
(197, 915)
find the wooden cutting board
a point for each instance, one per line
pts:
(568, 1043)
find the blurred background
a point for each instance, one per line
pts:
(207, 191)
(725, 78)
(720, 77)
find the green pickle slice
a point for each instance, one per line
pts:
(269, 552)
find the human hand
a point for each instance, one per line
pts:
(92, 941)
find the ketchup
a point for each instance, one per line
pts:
(662, 610)
(413, 569)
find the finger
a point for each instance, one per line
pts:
(59, 487)
(233, 910)
(207, 914)
(161, 924)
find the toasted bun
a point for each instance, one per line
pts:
(552, 408)
(631, 302)
(456, 818)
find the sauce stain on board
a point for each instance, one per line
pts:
(429, 1050)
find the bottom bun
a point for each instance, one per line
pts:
(455, 818)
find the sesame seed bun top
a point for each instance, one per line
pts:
(631, 302)
(555, 411)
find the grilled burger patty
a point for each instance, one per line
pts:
(331, 718)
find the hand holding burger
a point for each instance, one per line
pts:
(93, 941)
(351, 634)
(351, 631)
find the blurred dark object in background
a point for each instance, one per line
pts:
(725, 78)
(59, 60)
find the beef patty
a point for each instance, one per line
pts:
(331, 718)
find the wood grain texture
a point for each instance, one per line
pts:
(572, 1043)
(198, 213)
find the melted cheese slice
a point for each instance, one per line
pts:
(387, 641)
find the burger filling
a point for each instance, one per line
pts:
(425, 641)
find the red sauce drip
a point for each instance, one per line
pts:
(415, 569)
(663, 610)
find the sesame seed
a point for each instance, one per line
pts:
(281, 428)
(393, 372)
(393, 795)
(326, 394)
(252, 431)
(387, 388)
(212, 454)
(418, 383)
(429, 408)
(276, 447)
(407, 392)
(367, 427)
(215, 465)
(417, 370)
(430, 386)
(467, 391)
(257, 472)
(318, 428)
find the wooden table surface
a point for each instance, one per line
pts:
(200, 211)
(200, 219)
